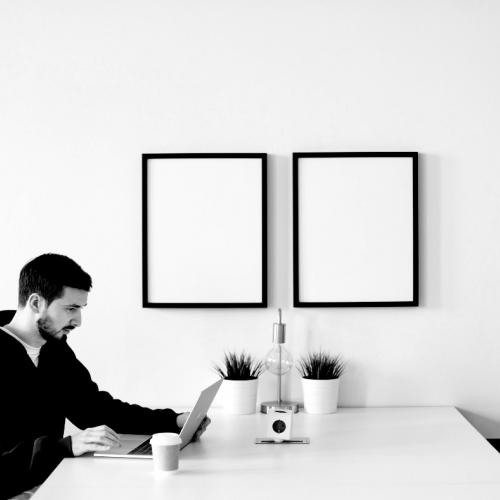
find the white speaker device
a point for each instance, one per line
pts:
(279, 428)
(279, 424)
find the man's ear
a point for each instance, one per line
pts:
(36, 303)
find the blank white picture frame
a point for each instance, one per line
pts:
(204, 230)
(355, 229)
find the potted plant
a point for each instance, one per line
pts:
(320, 381)
(239, 389)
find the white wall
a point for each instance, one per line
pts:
(86, 87)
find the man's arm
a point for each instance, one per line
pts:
(29, 463)
(88, 407)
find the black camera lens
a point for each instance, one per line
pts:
(279, 426)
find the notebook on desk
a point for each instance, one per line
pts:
(137, 445)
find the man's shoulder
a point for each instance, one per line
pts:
(6, 316)
(12, 352)
(7, 341)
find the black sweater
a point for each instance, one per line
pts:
(34, 402)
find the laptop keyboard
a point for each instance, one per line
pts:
(142, 449)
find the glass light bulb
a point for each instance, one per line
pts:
(273, 357)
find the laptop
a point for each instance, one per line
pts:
(137, 445)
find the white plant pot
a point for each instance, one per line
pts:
(320, 396)
(239, 396)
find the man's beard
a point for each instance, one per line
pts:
(48, 333)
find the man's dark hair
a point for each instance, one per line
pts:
(48, 274)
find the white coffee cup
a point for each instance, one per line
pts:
(166, 446)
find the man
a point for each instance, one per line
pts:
(42, 382)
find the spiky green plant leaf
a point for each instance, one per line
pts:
(321, 365)
(239, 366)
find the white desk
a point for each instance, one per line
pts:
(358, 453)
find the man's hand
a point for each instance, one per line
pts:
(181, 420)
(94, 439)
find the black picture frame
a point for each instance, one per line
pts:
(314, 202)
(204, 220)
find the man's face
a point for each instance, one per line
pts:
(62, 315)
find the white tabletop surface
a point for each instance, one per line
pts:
(357, 453)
